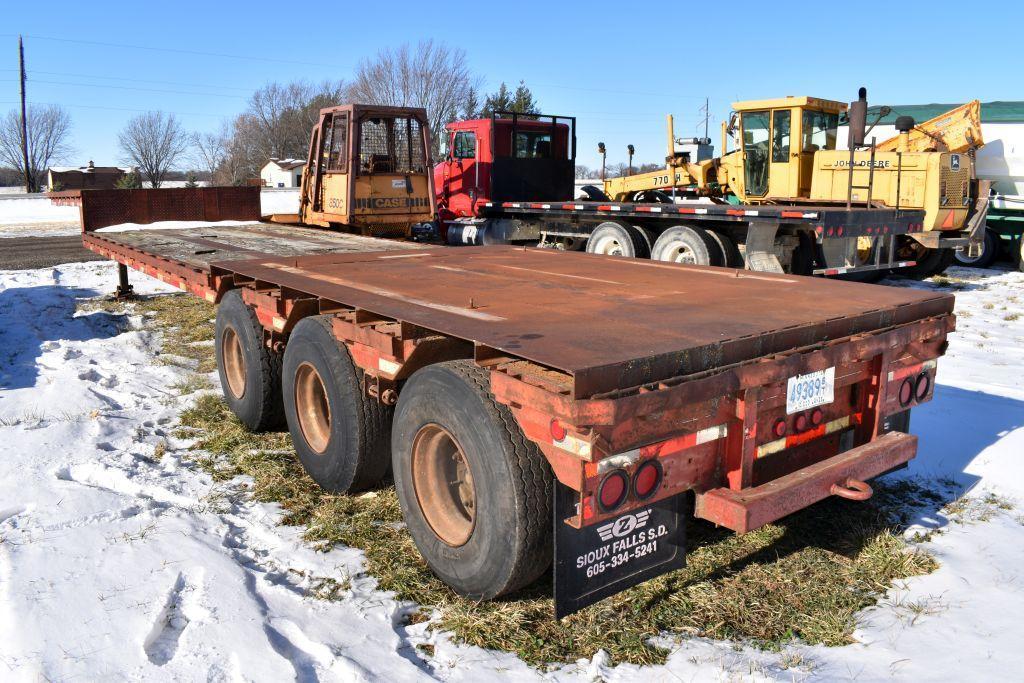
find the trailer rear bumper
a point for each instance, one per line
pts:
(748, 509)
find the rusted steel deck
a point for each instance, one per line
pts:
(610, 323)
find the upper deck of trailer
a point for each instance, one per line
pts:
(609, 323)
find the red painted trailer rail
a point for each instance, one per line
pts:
(637, 381)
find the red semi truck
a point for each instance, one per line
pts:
(509, 179)
(539, 408)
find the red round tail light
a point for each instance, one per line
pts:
(612, 490)
(924, 383)
(800, 422)
(906, 391)
(779, 428)
(558, 432)
(817, 417)
(647, 479)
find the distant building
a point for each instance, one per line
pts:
(88, 177)
(282, 172)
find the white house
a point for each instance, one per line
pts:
(282, 172)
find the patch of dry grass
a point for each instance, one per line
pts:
(804, 578)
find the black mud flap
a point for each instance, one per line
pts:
(601, 560)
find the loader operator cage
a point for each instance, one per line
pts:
(391, 144)
(534, 157)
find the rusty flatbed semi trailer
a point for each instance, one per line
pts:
(510, 387)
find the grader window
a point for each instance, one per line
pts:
(755, 152)
(780, 136)
(819, 131)
(391, 145)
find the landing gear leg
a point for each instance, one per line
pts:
(124, 288)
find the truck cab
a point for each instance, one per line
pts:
(779, 138)
(367, 169)
(507, 157)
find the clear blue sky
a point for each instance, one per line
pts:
(619, 67)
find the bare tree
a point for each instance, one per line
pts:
(276, 123)
(48, 130)
(153, 141)
(210, 152)
(432, 76)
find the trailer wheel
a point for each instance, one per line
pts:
(342, 436)
(931, 262)
(475, 493)
(617, 239)
(250, 373)
(731, 257)
(687, 244)
(989, 252)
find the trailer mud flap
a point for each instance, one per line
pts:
(601, 560)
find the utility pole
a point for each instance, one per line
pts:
(30, 181)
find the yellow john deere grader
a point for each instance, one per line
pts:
(785, 152)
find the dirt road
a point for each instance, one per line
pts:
(18, 253)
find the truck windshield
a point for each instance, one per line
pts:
(819, 130)
(391, 145)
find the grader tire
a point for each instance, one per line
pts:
(475, 493)
(341, 435)
(250, 373)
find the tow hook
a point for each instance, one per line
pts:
(852, 489)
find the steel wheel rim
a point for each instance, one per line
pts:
(233, 362)
(312, 407)
(678, 252)
(608, 245)
(443, 483)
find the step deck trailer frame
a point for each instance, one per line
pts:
(608, 363)
(827, 222)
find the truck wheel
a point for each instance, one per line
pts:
(687, 244)
(731, 257)
(989, 252)
(931, 262)
(617, 239)
(250, 373)
(475, 493)
(342, 436)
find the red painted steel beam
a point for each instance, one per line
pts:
(752, 508)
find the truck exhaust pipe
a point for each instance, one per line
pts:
(858, 117)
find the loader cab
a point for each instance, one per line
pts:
(367, 169)
(508, 157)
(778, 140)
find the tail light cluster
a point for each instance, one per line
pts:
(914, 389)
(618, 486)
(801, 422)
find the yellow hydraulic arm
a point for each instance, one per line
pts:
(958, 131)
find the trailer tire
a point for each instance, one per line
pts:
(617, 239)
(491, 536)
(989, 252)
(932, 262)
(342, 436)
(731, 257)
(250, 372)
(687, 244)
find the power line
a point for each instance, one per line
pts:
(128, 87)
(135, 80)
(181, 51)
(94, 106)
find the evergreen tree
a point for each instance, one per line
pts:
(520, 102)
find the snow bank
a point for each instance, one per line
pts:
(17, 210)
(118, 561)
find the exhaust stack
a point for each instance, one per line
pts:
(858, 117)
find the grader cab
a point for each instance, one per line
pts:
(368, 170)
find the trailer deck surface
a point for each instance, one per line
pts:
(610, 323)
(198, 247)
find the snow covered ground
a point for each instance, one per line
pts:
(119, 561)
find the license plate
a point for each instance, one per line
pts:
(810, 390)
(603, 559)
